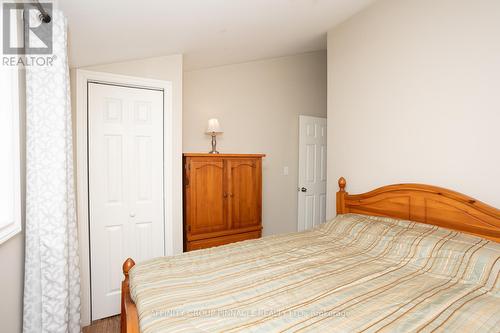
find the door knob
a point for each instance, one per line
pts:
(303, 189)
(132, 214)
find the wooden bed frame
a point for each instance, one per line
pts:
(425, 204)
(416, 202)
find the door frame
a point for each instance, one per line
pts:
(172, 164)
(300, 226)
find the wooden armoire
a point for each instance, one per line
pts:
(222, 199)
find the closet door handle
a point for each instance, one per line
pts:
(225, 195)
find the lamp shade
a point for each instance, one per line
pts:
(213, 126)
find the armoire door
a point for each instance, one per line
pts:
(125, 133)
(206, 197)
(244, 192)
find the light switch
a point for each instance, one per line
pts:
(285, 171)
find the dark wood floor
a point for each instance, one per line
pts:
(106, 325)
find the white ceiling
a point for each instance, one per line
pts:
(208, 32)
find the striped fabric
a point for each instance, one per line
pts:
(354, 273)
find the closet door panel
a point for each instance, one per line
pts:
(146, 173)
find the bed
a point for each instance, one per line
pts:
(404, 257)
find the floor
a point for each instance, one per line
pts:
(106, 325)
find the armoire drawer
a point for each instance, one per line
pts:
(217, 241)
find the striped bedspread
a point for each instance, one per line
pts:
(355, 273)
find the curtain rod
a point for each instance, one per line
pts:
(44, 16)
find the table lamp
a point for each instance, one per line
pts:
(212, 130)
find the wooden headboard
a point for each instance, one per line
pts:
(426, 204)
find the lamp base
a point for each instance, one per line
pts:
(214, 144)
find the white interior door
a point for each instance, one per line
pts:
(125, 133)
(312, 172)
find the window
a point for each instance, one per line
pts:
(10, 187)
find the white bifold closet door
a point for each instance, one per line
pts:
(126, 206)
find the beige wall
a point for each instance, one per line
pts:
(258, 104)
(413, 97)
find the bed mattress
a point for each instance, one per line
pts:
(353, 273)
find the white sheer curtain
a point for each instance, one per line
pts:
(52, 281)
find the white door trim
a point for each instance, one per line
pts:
(172, 171)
